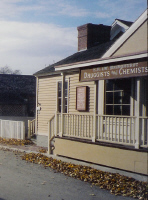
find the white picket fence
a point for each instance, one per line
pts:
(12, 129)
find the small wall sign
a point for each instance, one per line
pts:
(81, 93)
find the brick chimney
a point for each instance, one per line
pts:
(90, 35)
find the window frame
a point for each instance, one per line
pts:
(66, 97)
(115, 104)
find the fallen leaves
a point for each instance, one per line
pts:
(15, 142)
(115, 183)
(42, 150)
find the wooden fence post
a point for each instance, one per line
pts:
(23, 129)
(29, 133)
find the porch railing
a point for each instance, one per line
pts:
(144, 131)
(51, 132)
(80, 126)
(105, 128)
(116, 129)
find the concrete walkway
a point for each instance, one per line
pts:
(20, 180)
(23, 148)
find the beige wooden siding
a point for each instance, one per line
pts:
(136, 43)
(47, 98)
(108, 156)
(73, 83)
(47, 101)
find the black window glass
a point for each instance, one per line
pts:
(117, 99)
(109, 110)
(60, 96)
(109, 85)
(109, 97)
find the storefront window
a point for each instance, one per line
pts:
(60, 96)
(117, 97)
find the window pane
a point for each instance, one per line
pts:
(117, 97)
(109, 85)
(126, 110)
(118, 94)
(59, 89)
(109, 110)
(109, 98)
(66, 93)
(59, 85)
(59, 93)
(65, 109)
(65, 101)
(117, 110)
(59, 105)
(126, 97)
(66, 85)
(117, 85)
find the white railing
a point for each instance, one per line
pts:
(51, 134)
(80, 126)
(51, 127)
(31, 127)
(105, 128)
(143, 131)
(59, 128)
(12, 129)
(116, 129)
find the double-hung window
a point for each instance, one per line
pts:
(60, 96)
(117, 97)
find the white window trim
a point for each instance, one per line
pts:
(60, 80)
(101, 97)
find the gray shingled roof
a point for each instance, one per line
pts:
(89, 54)
(16, 88)
(128, 23)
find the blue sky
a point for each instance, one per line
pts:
(36, 33)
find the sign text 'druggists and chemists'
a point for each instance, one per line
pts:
(115, 71)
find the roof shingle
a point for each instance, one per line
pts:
(95, 52)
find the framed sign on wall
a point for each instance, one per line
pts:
(81, 98)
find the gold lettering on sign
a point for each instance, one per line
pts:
(115, 71)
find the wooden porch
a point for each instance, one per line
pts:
(125, 130)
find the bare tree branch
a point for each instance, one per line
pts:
(7, 70)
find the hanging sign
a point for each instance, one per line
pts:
(115, 71)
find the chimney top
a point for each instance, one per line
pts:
(90, 35)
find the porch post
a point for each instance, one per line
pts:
(0, 128)
(63, 104)
(49, 136)
(101, 86)
(37, 112)
(95, 106)
(137, 114)
(56, 123)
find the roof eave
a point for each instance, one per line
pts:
(106, 60)
(126, 35)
